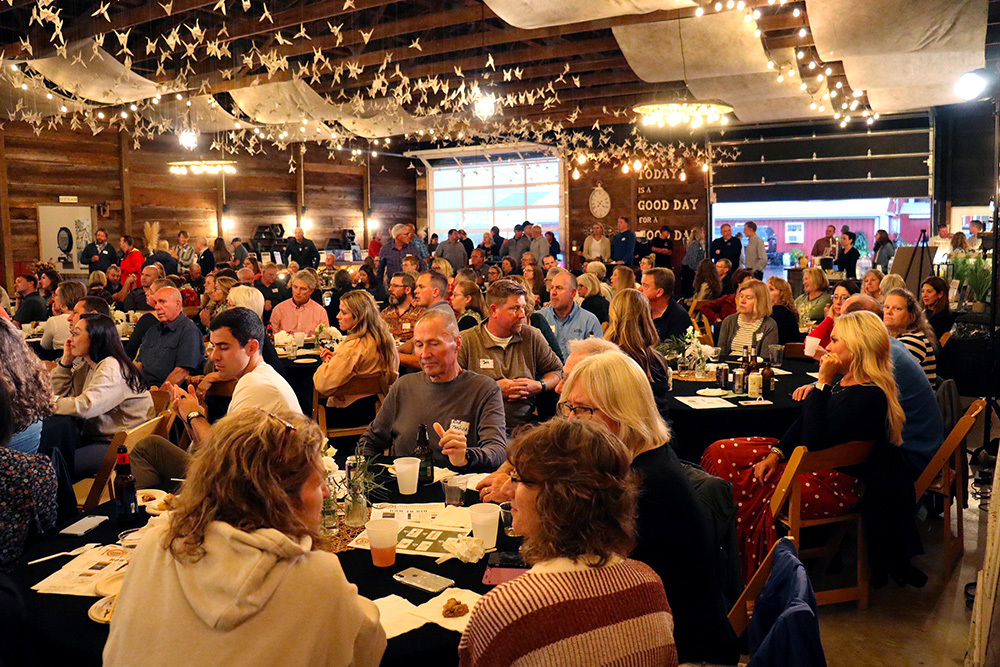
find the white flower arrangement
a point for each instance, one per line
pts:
(694, 350)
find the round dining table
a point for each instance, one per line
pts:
(59, 632)
(694, 429)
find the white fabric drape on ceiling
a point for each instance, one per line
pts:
(719, 58)
(905, 54)
(18, 102)
(545, 13)
(93, 74)
(202, 115)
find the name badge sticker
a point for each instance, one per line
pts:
(461, 426)
(406, 326)
(486, 364)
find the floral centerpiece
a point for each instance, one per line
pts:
(328, 336)
(694, 351)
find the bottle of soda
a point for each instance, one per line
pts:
(126, 503)
(426, 456)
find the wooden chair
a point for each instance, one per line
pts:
(363, 386)
(943, 477)
(795, 351)
(789, 491)
(701, 323)
(161, 400)
(945, 337)
(739, 615)
(92, 492)
(192, 311)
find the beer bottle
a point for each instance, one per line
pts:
(426, 456)
(768, 375)
(126, 503)
(745, 363)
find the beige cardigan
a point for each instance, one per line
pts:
(101, 397)
(355, 357)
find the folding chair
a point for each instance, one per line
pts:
(789, 491)
(92, 492)
(943, 477)
(358, 386)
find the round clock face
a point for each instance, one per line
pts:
(600, 202)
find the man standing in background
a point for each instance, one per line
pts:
(466, 241)
(539, 244)
(726, 247)
(205, 257)
(453, 250)
(756, 254)
(302, 251)
(827, 245)
(375, 245)
(99, 254)
(184, 252)
(663, 247)
(623, 244)
(131, 260)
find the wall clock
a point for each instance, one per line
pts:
(600, 202)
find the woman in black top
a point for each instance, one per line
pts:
(589, 288)
(554, 248)
(783, 310)
(848, 255)
(630, 327)
(368, 282)
(934, 296)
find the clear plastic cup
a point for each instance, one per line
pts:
(454, 490)
(811, 344)
(485, 523)
(777, 354)
(407, 469)
(300, 338)
(382, 536)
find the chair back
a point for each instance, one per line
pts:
(91, 490)
(701, 323)
(803, 461)
(372, 385)
(739, 616)
(161, 400)
(192, 311)
(795, 351)
(949, 447)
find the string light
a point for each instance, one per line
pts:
(576, 174)
(625, 168)
(700, 11)
(693, 114)
(199, 167)
(637, 165)
(683, 176)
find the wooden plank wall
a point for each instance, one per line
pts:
(42, 167)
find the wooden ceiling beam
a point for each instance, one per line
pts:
(89, 26)
(792, 41)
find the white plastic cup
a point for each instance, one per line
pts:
(300, 338)
(407, 468)
(811, 343)
(382, 536)
(485, 522)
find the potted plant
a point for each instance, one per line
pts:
(978, 275)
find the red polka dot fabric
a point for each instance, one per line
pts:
(824, 494)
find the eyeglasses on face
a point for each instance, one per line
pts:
(516, 479)
(566, 409)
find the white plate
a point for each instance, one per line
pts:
(111, 584)
(157, 494)
(100, 611)
(711, 391)
(305, 361)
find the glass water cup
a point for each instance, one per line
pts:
(454, 491)
(507, 519)
(777, 355)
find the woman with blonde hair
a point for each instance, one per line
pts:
(783, 310)
(97, 285)
(751, 325)
(588, 287)
(600, 271)
(369, 350)
(891, 282)
(871, 284)
(906, 321)
(631, 328)
(863, 405)
(469, 305)
(612, 389)
(217, 298)
(575, 504)
(237, 566)
(813, 301)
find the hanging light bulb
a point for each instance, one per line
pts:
(581, 158)
(704, 168)
(683, 176)
(576, 174)
(188, 139)
(625, 168)
(637, 165)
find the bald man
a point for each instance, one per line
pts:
(463, 411)
(172, 349)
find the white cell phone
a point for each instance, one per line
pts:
(83, 526)
(423, 580)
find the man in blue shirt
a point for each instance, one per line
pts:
(173, 349)
(623, 244)
(390, 258)
(568, 320)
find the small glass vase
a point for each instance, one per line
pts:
(355, 510)
(701, 368)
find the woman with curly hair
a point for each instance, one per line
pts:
(575, 504)
(707, 285)
(27, 382)
(238, 568)
(905, 321)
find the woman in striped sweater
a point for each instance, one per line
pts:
(906, 321)
(582, 602)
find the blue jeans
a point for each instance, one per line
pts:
(27, 440)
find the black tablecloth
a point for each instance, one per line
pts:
(60, 632)
(695, 430)
(299, 373)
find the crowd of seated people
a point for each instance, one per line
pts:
(478, 353)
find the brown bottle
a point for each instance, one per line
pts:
(768, 376)
(126, 504)
(423, 452)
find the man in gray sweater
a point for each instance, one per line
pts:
(755, 255)
(453, 251)
(463, 411)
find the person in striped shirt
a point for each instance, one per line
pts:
(906, 321)
(583, 602)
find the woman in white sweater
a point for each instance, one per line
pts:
(97, 383)
(233, 573)
(57, 330)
